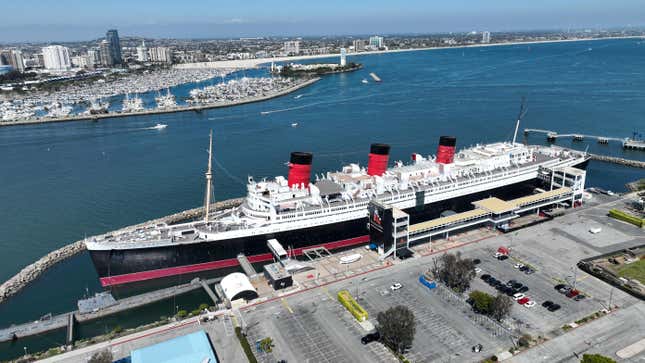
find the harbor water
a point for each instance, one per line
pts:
(60, 182)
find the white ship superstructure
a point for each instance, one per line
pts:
(282, 204)
(132, 104)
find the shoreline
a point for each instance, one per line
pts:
(161, 111)
(254, 63)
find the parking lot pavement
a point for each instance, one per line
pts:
(605, 336)
(312, 328)
(443, 332)
(553, 249)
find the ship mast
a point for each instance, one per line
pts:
(519, 118)
(209, 180)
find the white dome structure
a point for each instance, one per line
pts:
(238, 286)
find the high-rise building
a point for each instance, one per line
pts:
(56, 57)
(112, 37)
(292, 47)
(343, 57)
(16, 60)
(376, 42)
(142, 52)
(104, 54)
(160, 55)
(80, 61)
(4, 57)
(359, 45)
(93, 57)
(485, 37)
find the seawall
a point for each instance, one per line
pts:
(162, 111)
(620, 161)
(34, 270)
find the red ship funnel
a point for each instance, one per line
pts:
(378, 158)
(446, 149)
(300, 168)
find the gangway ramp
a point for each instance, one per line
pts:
(540, 197)
(447, 221)
(246, 266)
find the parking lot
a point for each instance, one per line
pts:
(313, 327)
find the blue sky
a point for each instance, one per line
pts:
(63, 20)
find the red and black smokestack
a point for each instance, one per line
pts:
(378, 158)
(446, 149)
(300, 168)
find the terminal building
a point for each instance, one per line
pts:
(391, 232)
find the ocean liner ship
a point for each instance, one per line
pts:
(329, 211)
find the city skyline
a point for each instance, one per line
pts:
(192, 19)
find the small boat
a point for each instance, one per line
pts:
(294, 124)
(298, 96)
(364, 81)
(159, 126)
(350, 258)
(264, 113)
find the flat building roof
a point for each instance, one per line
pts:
(495, 205)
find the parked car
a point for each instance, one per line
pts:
(523, 300)
(478, 270)
(518, 265)
(511, 282)
(524, 268)
(554, 307)
(395, 286)
(485, 277)
(547, 304)
(502, 257)
(559, 286)
(518, 296)
(477, 348)
(371, 337)
(517, 285)
(529, 271)
(579, 297)
(477, 261)
(523, 289)
(572, 293)
(529, 304)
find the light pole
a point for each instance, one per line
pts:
(25, 348)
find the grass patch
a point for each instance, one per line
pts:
(634, 270)
(245, 345)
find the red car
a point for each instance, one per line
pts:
(523, 300)
(573, 293)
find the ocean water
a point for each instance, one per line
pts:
(61, 182)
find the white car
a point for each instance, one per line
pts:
(529, 304)
(478, 270)
(518, 296)
(518, 265)
(395, 286)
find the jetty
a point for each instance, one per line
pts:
(158, 111)
(628, 143)
(34, 270)
(620, 161)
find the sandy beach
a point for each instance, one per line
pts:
(253, 63)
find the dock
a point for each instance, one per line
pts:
(67, 320)
(375, 77)
(70, 329)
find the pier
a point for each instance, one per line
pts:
(627, 143)
(67, 320)
(196, 108)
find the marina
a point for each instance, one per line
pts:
(169, 109)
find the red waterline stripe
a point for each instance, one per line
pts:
(231, 262)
